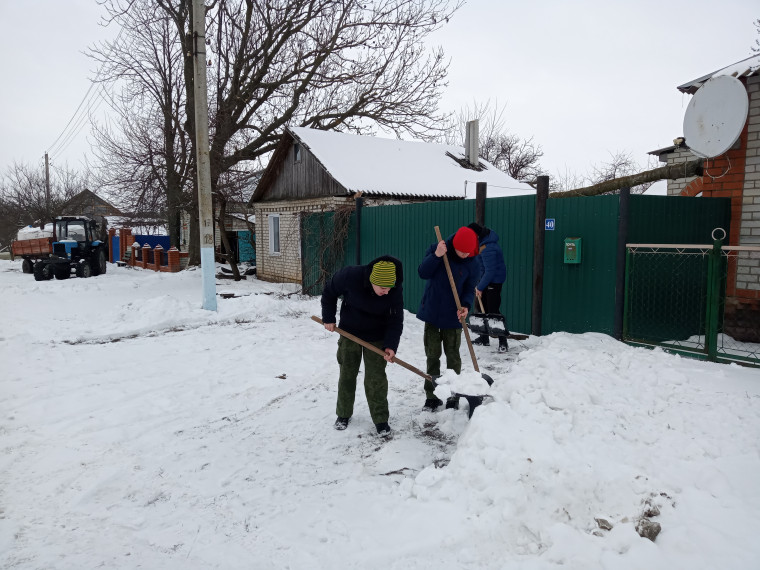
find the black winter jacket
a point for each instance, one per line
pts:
(363, 313)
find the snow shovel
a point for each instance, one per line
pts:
(473, 401)
(485, 377)
(491, 324)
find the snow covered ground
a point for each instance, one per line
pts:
(139, 431)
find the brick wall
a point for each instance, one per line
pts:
(679, 156)
(736, 175)
(285, 266)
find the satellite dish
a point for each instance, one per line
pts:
(715, 116)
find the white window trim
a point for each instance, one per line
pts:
(271, 219)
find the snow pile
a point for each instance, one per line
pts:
(34, 232)
(470, 383)
(139, 431)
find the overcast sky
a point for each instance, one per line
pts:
(584, 79)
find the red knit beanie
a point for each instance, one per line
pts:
(466, 241)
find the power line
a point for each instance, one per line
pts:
(78, 124)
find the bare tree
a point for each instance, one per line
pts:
(144, 156)
(506, 151)
(329, 64)
(23, 196)
(621, 164)
(756, 48)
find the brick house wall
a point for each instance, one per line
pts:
(736, 175)
(285, 266)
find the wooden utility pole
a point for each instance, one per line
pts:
(47, 189)
(205, 208)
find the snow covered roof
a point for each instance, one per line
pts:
(743, 68)
(390, 167)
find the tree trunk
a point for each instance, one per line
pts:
(673, 172)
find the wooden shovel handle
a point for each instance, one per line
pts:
(374, 349)
(459, 305)
(480, 302)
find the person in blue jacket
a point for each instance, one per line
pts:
(373, 310)
(438, 310)
(492, 277)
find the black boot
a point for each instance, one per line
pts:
(482, 340)
(432, 404)
(503, 346)
(383, 429)
(341, 423)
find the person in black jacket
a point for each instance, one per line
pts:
(493, 275)
(438, 309)
(373, 310)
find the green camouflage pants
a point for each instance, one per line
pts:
(435, 339)
(375, 381)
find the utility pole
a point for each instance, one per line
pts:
(205, 208)
(47, 188)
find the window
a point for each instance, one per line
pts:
(297, 152)
(274, 233)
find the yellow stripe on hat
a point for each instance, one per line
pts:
(383, 274)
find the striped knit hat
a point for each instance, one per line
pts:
(383, 274)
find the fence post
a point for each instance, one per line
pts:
(158, 256)
(359, 204)
(539, 239)
(145, 255)
(622, 237)
(713, 301)
(172, 257)
(481, 191)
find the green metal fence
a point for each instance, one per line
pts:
(675, 298)
(576, 297)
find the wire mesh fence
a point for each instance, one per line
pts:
(676, 298)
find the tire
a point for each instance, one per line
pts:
(27, 266)
(62, 272)
(84, 269)
(99, 265)
(41, 271)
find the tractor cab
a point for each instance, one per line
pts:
(72, 232)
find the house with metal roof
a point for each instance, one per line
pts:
(734, 174)
(314, 170)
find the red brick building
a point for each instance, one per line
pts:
(735, 175)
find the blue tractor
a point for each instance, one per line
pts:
(79, 247)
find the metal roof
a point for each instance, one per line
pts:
(744, 68)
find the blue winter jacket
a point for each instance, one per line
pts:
(363, 313)
(438, 306)
(491, 261)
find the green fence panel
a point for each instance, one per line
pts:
(581, 297)
(677, 219)
(513, 219)
(406, 231)
(668, 290)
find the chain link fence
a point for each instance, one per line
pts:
(675, 297)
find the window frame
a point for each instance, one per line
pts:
(275, 239)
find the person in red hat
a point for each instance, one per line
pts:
(438, 309)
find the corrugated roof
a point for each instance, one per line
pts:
(389, 167)
(744, 68)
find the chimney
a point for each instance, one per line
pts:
(471, 143)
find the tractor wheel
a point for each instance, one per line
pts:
(99, 262)
(62, 272)
(84, 269)
(41, 271)
(27, 266)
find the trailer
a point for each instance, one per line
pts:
(33, 244)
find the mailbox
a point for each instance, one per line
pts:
(573, 250)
